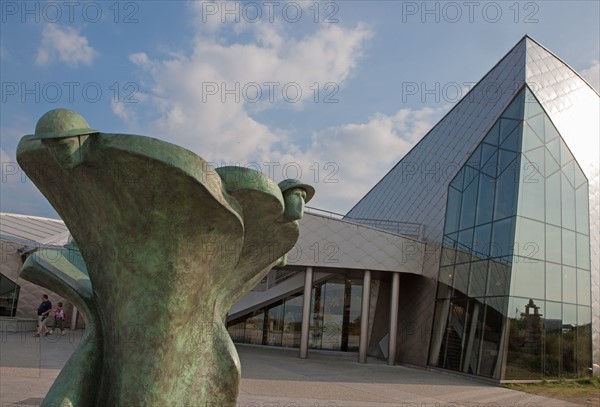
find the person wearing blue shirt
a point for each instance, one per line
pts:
(43, 312)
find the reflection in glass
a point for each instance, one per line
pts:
(552, 337)
(584, 341)
(524, 358)
(569, 341)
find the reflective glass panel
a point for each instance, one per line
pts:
(550, 163)
(530, 139)
(569, 284)
(524, 357)
(531, 194)
(553, 244)
(469, 202)
(502, 238)
(254, 328)
(553, 199)
(506, 193)
(333, 316)
(568, 248)
(461, 278)
(584, 341)
(492, 334)
(567, 204)
(529, 238)
(513, 141)
(582, 214)
(275, 325)
(481, 240)
(553, 282)
(583, 251)
(292, 321)
(478, 279)
(485, 200)
(552, 332)
(569, 341)
(497, 283)
(584, 290)
(527, 278)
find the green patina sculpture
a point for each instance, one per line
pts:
(165, 245)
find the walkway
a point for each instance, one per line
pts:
(274, 377)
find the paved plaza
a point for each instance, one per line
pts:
(275, 377)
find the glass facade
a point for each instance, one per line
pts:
(513, 298)
(334, 319)
(9, 295)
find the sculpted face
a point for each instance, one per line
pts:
(65, 150)
(294, 203)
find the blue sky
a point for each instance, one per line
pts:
(323, 91)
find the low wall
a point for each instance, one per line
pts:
(9, 324)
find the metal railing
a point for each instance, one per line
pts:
(411, 229)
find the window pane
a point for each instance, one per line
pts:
(531, 195)
(481, 240)
(524, 357)
(550, 163)
(567, 204)
(506, 193)
(491, 336)
(461, 278)
(584, 291)
(465, 243)
(529, 239)
(553, 282)
(498, 278)
(584, 341)
(275, 325)
(553, 244)
(477, 281)
(513, 141)
(292, 321)
(527, 279)
(552, 333)
(485, 201)
(569, 341)
(582, 214)
(487, 151)
(502, 238)
(553, 199)
(568, 248)
(254, 328)
(333, 316)
(583, 251)
(569, 284)
(469, 202)
(492, 136)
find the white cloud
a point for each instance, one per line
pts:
(65, 45)
(342, 161)
(187, 94)
(592, 75)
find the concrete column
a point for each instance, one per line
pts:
(394, 302)
(308, 279)
(74, 318)
(364, 318)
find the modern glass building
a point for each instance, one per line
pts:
(514, 275)
(506, 187)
